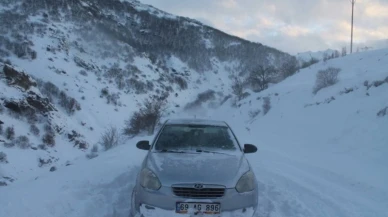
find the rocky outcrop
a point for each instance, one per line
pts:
(32, 104)
(18, 79)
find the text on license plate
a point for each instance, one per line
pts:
(206, 208)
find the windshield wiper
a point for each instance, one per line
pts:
(171, 151)
(207, 151)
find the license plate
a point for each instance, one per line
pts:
(203, 208)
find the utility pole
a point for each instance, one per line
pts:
(351, 36)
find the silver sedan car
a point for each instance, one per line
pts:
(195, 168)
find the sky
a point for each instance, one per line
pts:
(292, 26)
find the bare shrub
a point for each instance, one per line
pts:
(9, 144)
(1, 109)
(49, 139)
(42, 147)
(289, 67)
(202, 98)
(91, 155)
(68, 103)
(31, 116)
(181, 82)
(266, 105)
(3, 157)
(261, 77)
(254, 113)
(93, 152)
(83, 72)
(150, 86)
(138, 86)
(22, 142)
(343, 52)
(50, 89)
(326, 78)
(48, 129)
(110, 138)
(10, 133)
(104, 92)
(238, 88)
(42, 162)
(34, 130)
(378, 83)
(383, 112)
(113, 98)
(1, 129)
(312, 61)
(146, 119)
(94, 148)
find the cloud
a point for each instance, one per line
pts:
(289, 25)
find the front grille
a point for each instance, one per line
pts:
(198, 193)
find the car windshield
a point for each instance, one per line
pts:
(197, 138)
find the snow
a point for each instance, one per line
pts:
(306, 56)
(313, 160)
(97, 187)
(330, 159)
(322, 160)
(163, 213)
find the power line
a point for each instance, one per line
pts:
(351, 35)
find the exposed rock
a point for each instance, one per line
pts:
(39, 103)
(52, 169)
(32, 104)
(19, 106)
(19, 79)
(81, 63)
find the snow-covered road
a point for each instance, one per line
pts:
(101, 188)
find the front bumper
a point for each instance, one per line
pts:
(163, 202)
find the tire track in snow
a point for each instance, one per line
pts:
(112, 199)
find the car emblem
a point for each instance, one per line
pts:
(198, 186)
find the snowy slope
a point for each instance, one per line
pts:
(327, 159)
(315, 159)
(78, 63)
(306, 56)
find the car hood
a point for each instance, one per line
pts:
(205, 168)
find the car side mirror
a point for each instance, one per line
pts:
(249, 148)
(143, 145)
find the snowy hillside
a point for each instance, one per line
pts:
(320, 154)
(70, 70)
(323, 154)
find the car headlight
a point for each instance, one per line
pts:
(246, 182)
(149, 180)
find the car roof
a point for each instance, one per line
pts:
(194, 121)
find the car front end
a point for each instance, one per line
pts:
(158, 194)
(195, 183)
